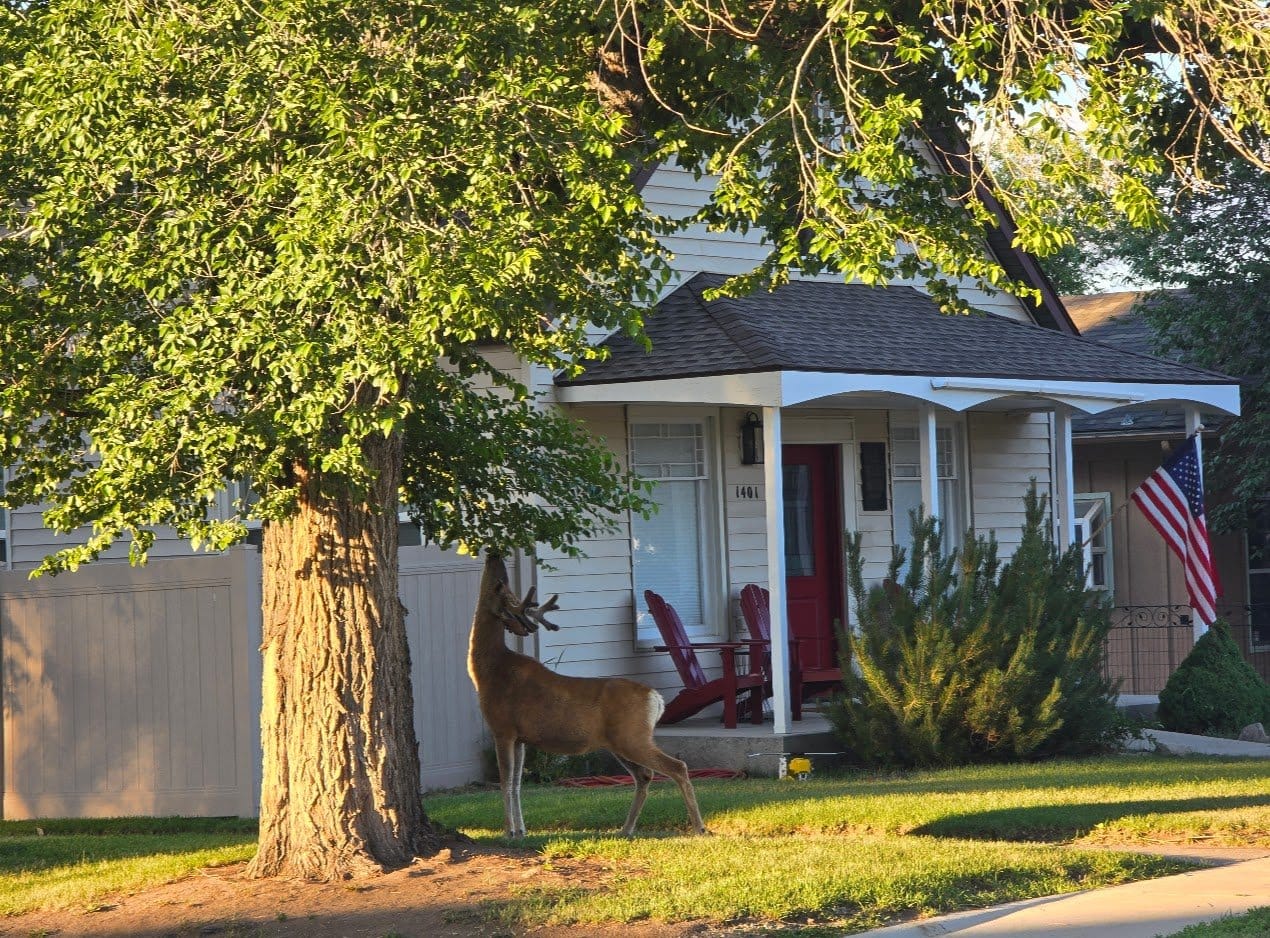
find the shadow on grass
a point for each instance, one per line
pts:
(19, 855)
(1047, 823)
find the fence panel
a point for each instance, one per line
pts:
(130, 690)
(1147, 643)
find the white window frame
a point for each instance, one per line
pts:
(712, 553)
(1086, 524)
(904, 429)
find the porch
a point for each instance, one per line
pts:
(703, 743)
(782, 419)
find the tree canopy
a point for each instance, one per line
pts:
(239, 233)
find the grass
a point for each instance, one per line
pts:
(76, 864)
(830, 854)
(1254, 924)
(854, 851)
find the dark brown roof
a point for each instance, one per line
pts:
(851, 328)
(1112, 319)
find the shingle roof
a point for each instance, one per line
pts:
(1110, 318)
(852, 328)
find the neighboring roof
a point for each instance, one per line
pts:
(1111, 318)
(851, 328)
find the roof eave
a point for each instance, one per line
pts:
(955, 392)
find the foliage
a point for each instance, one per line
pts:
(1215, 250)
(958, 663)
(1207, 271)
(246, 237)
(1214, 690)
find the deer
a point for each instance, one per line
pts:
(524, 702)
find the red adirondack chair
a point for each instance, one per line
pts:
(699, 692)
(803, 681)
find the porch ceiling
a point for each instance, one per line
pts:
(849, 345)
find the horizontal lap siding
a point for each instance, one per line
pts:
(676, 193)
(1007, 451)
(597, 602)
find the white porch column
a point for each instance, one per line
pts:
(774, 487)
(1193, 426)
(930, 460)
(1064, 507)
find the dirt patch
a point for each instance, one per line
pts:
(447, 895)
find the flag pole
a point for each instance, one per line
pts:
(1193, 428)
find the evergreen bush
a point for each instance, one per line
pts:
(965, 660)
(1214, 690)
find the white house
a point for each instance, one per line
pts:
(136, 691)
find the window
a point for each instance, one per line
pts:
(674, 551)
(1093, 533)
(906, 482)
(1259, 575)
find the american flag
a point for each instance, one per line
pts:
(1172, 498)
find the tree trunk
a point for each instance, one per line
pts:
(341, 792)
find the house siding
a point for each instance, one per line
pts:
(1007, 451)
(676, 193)
(597, 602)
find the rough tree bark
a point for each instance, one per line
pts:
(341, 792)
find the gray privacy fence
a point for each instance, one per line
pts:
(132, 690)
(136, 690)
(1147, 643)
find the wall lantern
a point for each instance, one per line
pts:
(751, 440)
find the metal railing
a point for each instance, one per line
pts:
(1147, 643)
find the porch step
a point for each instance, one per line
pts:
(703, 742)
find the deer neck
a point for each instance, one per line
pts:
(487, 649)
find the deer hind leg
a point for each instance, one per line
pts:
(642, 776)
(647, 760)
(674, 768)
(511, 760)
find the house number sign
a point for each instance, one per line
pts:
(749, 492)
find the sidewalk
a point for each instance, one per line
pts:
(1135, 910)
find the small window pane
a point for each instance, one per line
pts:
(800, 553)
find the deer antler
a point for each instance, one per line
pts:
(527, 612)
(534, 612)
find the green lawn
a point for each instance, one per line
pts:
(851, 852)
(832, 854)
(1254, 924)
(76, 864)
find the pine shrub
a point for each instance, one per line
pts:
(962, 659)
(1214, 690)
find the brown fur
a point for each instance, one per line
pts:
(524, 702)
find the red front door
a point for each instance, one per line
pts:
(813, 558)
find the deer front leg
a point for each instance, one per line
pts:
(518, 819)
(509, 766)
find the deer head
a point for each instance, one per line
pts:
(519, 616)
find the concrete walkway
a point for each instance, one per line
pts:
(1144, 909)
(1135, 910)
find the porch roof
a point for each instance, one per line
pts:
(814, 339)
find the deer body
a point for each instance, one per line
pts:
(524, 702)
